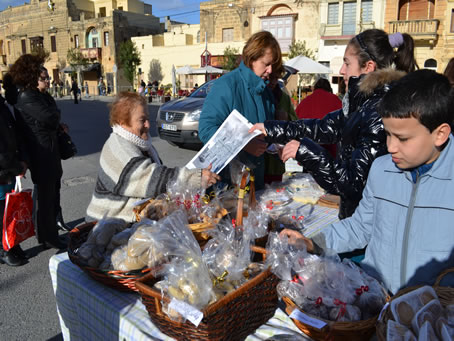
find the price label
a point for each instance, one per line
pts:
(187, 311)
(302, 317)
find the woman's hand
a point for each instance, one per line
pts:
(208, 177)
(258, 126)
(295, 238)
(257, 146)
(290, 150)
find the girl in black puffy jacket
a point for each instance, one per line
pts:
(357, 128)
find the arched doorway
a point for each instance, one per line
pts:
(430, 64)
(93, 39)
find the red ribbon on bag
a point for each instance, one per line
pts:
(342, 309)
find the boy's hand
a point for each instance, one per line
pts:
(208, 177)
(258, 126)
(290, 150)
(295, 238)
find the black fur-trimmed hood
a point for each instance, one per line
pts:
(378, 79)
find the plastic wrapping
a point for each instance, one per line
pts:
(227, 255)
(398, 332)
(303, 188)
(323, 286)
(93, 250)
(406, 306)
(284, 259)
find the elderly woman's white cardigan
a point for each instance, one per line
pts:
(128, 175)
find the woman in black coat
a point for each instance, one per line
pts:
(42, 120)
(13, 162)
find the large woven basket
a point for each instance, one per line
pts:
(336, 331)
(120, 280)
(233, 317)
(445, 294)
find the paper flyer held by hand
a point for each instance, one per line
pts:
(225, 144)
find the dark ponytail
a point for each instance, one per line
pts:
(405, 59)
(374, 44)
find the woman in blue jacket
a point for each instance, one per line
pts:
(245, 90)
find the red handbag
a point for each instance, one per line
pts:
(17, 219)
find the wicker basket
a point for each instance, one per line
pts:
(445, 294)
(338, 331)
(233, 317)
(120, 280)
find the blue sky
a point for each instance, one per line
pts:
(161, 8)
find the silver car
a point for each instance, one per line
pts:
(178, 120)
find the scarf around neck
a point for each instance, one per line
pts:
(143, 145)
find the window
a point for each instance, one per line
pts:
(452, 21)
(53, 44)
(93, 39)
(281, 28)
(24, 46)
(9, 47)
(349, 20)
(333, 13)
(36, 43)
(76, 41)
(198, 37)
(366, 10)
(106, 38)
(143, 46)
(102, 12)
(120, 8)
(227, 34)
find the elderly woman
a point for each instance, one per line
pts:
(130, 166)
(245, 90)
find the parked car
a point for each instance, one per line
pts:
(178, 120)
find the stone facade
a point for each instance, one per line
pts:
(433, 30)
(80, 24)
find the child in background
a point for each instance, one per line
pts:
(406, 214)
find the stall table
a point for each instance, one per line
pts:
(89, 310)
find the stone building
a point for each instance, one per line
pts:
(227, 23)
(95, 27)
(430, 23)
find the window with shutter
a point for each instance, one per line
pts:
(366, 11)
(333, 13)
(349, 18)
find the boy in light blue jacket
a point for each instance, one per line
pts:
(406, 215)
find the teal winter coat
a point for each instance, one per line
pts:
(244, 91)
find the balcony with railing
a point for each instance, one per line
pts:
(93, 53)
(420, 29)
(338, 31)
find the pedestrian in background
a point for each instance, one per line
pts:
(321, 102)
(75, 91)
(87, 94)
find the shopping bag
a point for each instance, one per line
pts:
(17, 219)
